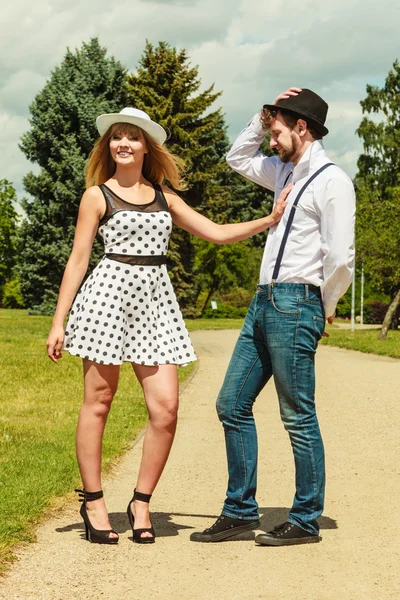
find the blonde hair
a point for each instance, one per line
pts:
(159, 163)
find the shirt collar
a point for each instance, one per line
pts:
(309, 161)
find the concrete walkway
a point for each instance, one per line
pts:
(358, 559)
(357, 326)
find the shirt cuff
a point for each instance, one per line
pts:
(330, 300)
(255, 125)
(330, 309)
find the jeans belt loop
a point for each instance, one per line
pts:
(307, 292)
(269, 291)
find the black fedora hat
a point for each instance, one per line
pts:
(306, 105)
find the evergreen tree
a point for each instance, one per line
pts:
(378, 190)
(63, 131)
(8, 231)
(166, 86)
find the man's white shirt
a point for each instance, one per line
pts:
(320, 246)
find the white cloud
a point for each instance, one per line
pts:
(18, 88)
(13, 164)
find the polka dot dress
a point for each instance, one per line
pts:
(129, 312)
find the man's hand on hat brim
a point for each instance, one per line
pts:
(293, 91)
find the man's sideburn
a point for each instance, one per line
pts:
(291, 153)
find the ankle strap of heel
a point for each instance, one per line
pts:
(84, 496)
(141, 497)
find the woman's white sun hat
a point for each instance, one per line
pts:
(135, 117)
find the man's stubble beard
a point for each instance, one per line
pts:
(291, 153)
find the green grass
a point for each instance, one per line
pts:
(365, 340)
(38, 413)
(196, 324)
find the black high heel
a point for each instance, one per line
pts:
(96, 536)
(137, 533)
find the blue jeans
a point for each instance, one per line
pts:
(279, 337)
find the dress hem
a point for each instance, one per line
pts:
(116, 364)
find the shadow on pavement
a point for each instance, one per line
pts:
(273, 516)
(165, 525)
(162, 523)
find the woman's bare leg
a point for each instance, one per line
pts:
(100, 386)
(160, 387)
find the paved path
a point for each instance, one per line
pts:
(357, 326)
(358, 400)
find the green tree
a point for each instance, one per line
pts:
(167, 87)
(8, 232)
(63, 131)
(225, 268)
(378, 190)
(12, 297)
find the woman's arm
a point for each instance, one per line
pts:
(90, 212)
(195, 223)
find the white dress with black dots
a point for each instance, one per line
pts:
(127, 310)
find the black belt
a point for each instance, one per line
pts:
(152, 260)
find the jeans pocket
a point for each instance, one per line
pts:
(286, 304)
(319, 326)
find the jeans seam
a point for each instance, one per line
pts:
(237, 424)
(314, 470)
(306, 430)
(282, 312)
(295, 361)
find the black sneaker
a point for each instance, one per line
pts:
(287, 534)
(223, 528)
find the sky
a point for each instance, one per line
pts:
(251, 51)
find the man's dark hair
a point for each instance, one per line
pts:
(290, 119)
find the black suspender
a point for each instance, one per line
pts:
(290, 220)
(288, 176)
